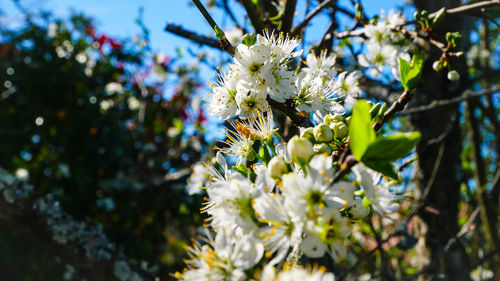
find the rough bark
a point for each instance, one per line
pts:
(440, 130)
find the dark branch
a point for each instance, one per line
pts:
(297, 29)
(469, 8)
(231, 15)
(465, 9)
(395, 107)
(253, 15)
(288, 15)
(437, 104)
(190, 35)
(346, 159)
(288, 109)
(225, 44)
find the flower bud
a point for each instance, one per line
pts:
(300, 149)
(437, 65)
(417, 15)
(453, 75)
(333, 118)
(321, 148)
(308, 134)
(248, 39)
(277, 167)
(439, 17)
(359, 211)
(323, 133)
(375, 109)
(340, 129)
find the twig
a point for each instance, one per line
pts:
(225, 44)
(345, 11)
(487, 17)
(454, 11)
(485, 258)
(253, 15)
(23, 10)
(288, 15)
(437, 104)
(413, 212)
(205, 13)
(469, 8)
(288, 109)
(464, 230)
(395, 107)
(346, 159)
(296, 30)
(200, 39)
(353, 33)
(231, 15)
(318, 45)
(306, 12)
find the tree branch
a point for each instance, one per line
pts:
(465, 9)
(469, 8)
(296, 30)
(396, 106)
(437, 104)
(231, 15)
(225, 44)
(253, 15)
(288, 15)
(83, 246)
(346, 159)
(288, 109)
(200, 39)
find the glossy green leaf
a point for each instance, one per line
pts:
(361, 133)
(453, 38)
(410, 72)
(384, 167)
(439, 17)
(391, 148)
(219, 33)
(404, 68)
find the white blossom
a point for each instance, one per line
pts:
(382, 200)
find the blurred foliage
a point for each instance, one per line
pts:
(109, 127)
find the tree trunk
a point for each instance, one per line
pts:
(439, 172)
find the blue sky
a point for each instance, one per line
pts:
(116, 18)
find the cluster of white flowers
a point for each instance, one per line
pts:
(264, 69)
(283, 200)
(290, 204)
(384, 45)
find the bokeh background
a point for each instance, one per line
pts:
(103, 109)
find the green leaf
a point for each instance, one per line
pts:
(366, 202)
(361, 132)
(439, 17)
(453, 38)
(384, 167)
(264, 154)
(375, 110)
(404, 68)
(391, 148)
(410, 72)
(219, 33)
(276, 19)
